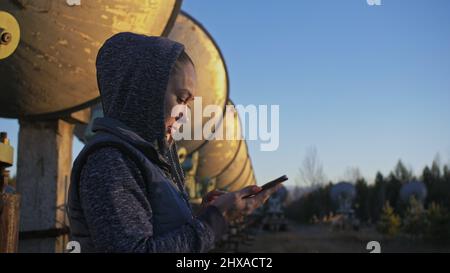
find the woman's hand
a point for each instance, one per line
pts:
(233, 206)
(210, 197)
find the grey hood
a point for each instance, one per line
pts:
(133, 72)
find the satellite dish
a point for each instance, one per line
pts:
(343, 190)
(233, 176)
(415, 189)
(236, 181)
(217, 155)
(226, 161)
(343, 193)
(280, 195)
(52, 72)
(212, 75)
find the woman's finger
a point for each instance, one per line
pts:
(262, 198)
(214, 194)
(218, 193)
(249, 190)
(214, 198)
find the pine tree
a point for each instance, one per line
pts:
(435, 170)
(389, 223)
(377, 197)
(427, 177)
(446, 174)
(393, 186)
(362, 200)
(438, 229)
(402, 173)
(415, 220)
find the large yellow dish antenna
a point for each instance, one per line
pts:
(52, 72)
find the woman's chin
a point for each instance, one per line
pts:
(169, 139)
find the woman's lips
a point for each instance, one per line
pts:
(174, 127)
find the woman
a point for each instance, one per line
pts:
(127, 187)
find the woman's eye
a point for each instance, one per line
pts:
(183, 101)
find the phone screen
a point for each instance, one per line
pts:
(269, 185)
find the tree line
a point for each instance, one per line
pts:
(379, 203)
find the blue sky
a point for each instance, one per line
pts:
(366, 85)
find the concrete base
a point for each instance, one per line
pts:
(43, 176)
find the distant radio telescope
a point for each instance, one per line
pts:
(414, 189)
(343, 193)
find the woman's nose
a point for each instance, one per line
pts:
(183, 116)
(186, 118)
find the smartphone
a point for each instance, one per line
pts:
(269, 185)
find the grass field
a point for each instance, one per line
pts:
(321, 239)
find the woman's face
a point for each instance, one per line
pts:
(180, 91)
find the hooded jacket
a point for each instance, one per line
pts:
(127, 187)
